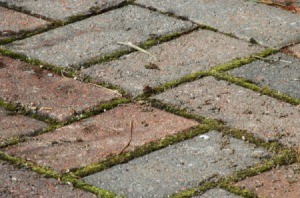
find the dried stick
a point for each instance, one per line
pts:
(128, 144)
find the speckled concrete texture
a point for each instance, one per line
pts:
(23, 183)
(61, 9)
(217, 193)
(46, 93)
(13, 22)
(267, 25)
(277, 183)
(177, 167)
(12, 126)
(239, 107)
(96, 138)
(98, 36)
(197, 51)
(279, 72)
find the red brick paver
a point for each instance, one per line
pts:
(16, 125)
(47, 93)
(277, 183)
(95, 138)
(13, 22)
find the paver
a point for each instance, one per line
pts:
(279, 72)
(177, 167)
(13, 22)
(267, 25)
(45, 93)
(98, 36)
(96, 138)
(61, 10)
(199, 50)
(239, 107)
(12, 126)
(295, 50)
(277, 183)
(23, 183)
(217, 192)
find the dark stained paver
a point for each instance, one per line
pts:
(12, 126)
(22, 183)
(277, 183)
(248, 20)
(13, 22)
(177, 167)
(46, 93)
(61, 10)
(239, 107)
(217, 193)
(96, 138)
(190, 53)
(295, 50)
(279, 72)
(98, 35)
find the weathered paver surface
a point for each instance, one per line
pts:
(12, 126)
(198, 51)
(264, 24)
(98, 36)
(241, 108)
(277, 183)
(22, 183)
(217, 192)
(46, 93)
(177, 167)
(13, 22)
(61, 10)
(279, 72)
(295, 50)
(94, 139)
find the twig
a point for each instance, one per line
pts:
(115, 91)
(274, 60)
(138, 48)
(128, 144)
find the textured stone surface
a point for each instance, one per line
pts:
(277, 183)
(190, 53)
(61, 9)
(177, 167)
(98, 35)
(241, 108)
(15, 125)
(267, 25)
(282, 75)
(13, 22)
(22, 183)
(295, 50)
(46, 93)
(96, 138)
(217, 193)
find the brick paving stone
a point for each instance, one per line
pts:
(178, 167)
(46, 93)
(217, 192)
(98, 35)
(61, 10)
(96, 138)
(239, 107)
(13, 22)
(295, 50)
(248, 20)
(278, 75)
(190, 53)
(23, 183)
(277, 183)
(12, 126)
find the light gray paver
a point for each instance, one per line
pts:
(239, 107)
(217, 193)
(98, 35)
(190, 53)
(267, 25)
(282, 75)
(61, 10)
(177, 167)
